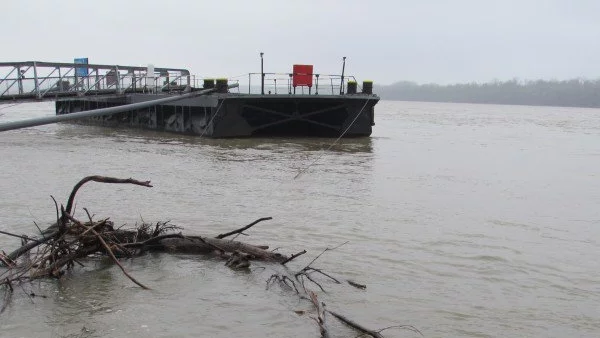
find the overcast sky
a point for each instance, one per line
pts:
(385, 41)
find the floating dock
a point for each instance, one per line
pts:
(299, 103)
(240, 115)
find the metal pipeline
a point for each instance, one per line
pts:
(102, 111)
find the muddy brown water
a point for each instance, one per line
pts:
(462, 220)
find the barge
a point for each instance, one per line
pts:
(300, 103)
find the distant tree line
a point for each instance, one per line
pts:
(568, 93)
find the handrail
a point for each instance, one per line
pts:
(57, 82)
(320, 82)
(44, 80)
(100, 79)
(88, 65)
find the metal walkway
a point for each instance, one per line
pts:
(36, 81)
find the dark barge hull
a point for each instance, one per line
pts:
(239, 115)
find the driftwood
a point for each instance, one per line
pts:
(355, 325)
(356, 285)
(306, 274)
(68, 240)
(368, 332)
(60, 247)
(240, 230)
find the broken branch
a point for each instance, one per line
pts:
(355, 325)
(356, 285)
(293, 256)
(221, 236)
(101, 179)
(19, 236)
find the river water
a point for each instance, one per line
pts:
(462, 220)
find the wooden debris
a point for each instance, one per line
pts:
(320, 307)
(63, 243)
(355, 325)
(69, 240)
(356, 285)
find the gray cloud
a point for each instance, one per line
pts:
(386, 41)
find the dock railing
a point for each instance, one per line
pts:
(282, 83)
(34, 80)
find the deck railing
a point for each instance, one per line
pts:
(282, 83)
(40, 80)
(34, 80)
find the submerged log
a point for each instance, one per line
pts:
(207, 245)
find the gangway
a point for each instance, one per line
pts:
(30, 81)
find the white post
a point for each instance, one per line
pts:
(150, 78)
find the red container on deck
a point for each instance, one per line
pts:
(302, 76)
